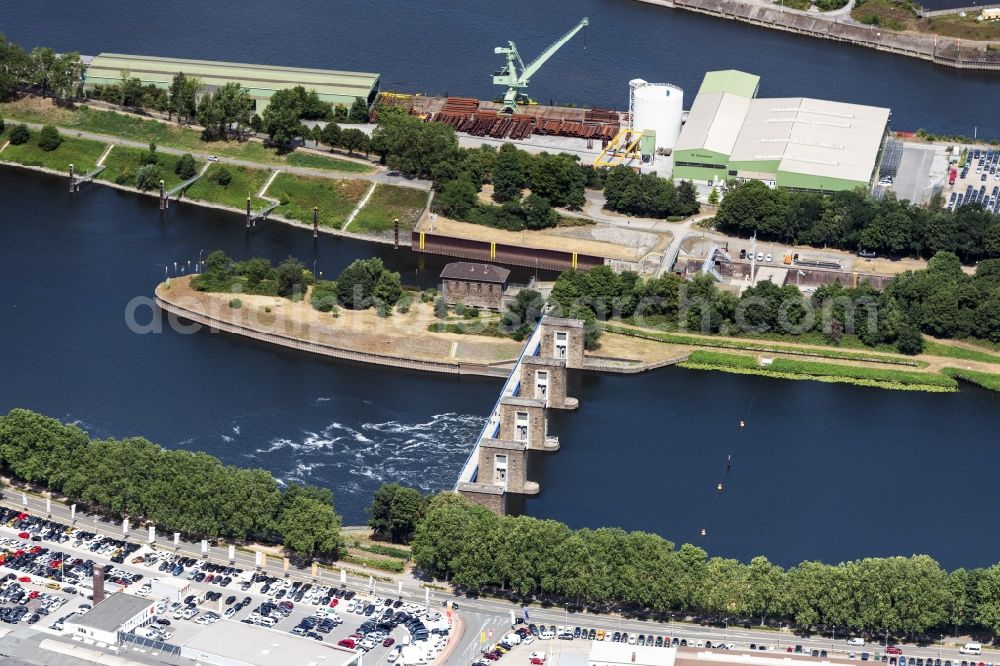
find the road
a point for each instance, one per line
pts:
(483, 614)
(379, 176)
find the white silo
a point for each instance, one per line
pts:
(658, 107)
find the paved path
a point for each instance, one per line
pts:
(379, 176)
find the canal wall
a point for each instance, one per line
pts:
(960, 54)
(512, 255)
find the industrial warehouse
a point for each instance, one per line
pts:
(790, 142)
(261, 81)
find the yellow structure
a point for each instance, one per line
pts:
(622, 149)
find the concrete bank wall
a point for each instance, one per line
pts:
(961, 54)
(511, 255)
(329, 350)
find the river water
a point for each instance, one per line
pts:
(821, 471)
(446, 46)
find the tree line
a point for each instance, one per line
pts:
(183, 491)
(611, 568)
(941, 300)
(648, 195)
(40, 71)
(853, 220)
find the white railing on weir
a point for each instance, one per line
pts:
(510, 388)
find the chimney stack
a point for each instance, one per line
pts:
(98, 585)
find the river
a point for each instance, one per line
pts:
(821, 471)
(446, 47)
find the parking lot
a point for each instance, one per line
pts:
(978, 182)
(45, 578)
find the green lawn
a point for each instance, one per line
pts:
(387, 203)
(984, 379)
(245, 181)
(935, 348)
(123, 163)
(334, 198)
(313, 161)
(29, 109)
(81, 153)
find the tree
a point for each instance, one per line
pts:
(508, 176)
(281, 117)
(359, 111)
(909, 340)
(15, 66)
(522, 313)
(765, 588)
(148, 177)
(330, 134)
(41, 68)
(292, 278)
(538, 212)
(19, 134)
(310, 529)
(395, 511)
(354, 140)
(49, 138)
(409, 145)
(66, 74)
(365, 283)
(185, 167)
(713, 197)
(558, 179)
(457, 198)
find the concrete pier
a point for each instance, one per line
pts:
(498, 465)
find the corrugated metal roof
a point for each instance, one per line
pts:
(730, 81)
(714, 122)
(262, 79)
(813, 136)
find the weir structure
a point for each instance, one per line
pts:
(498, 465)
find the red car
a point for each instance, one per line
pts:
(33, 594)
(537, 661)
(24, 535)
(388, 642)
(347, 643)
(490, 656)
(24, 579)
(334, 602)
(892, 649)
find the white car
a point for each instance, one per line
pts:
(213, 158)
(546, 634)
(760, 256)
(767, 258)
(856, 642)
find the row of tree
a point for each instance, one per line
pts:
(182, 491)
(942, 301)
(472, 547)
(854, 220)
(41, 71)
(648, 195)
(259, 276)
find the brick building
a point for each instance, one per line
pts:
(475, 285)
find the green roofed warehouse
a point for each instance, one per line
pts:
(790, 142)
(261, 81)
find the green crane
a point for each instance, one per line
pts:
(509, 76)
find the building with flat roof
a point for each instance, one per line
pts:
(239, 644)
(120, 612)
(792, 142)
(261, 81)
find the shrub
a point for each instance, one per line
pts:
(324, 296)
(185, 167)
(19, 134)
(222, 176)
(49, 138)
(2, 125)
(235, 303)
(470, 313)
(441, 308)
(148, 177)
(121, 179)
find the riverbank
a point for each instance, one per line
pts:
(956, 53)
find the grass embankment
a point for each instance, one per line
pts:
(386, 204)
(85, 119)
(245, 182)
(901, 15)
(123, 163)
(81, 153)
(827, 372)
(984, 379)
(935, 348)
(334, 198)
(680, 339)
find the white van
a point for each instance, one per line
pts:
(971, 648)
(856, 642)
(512, 638)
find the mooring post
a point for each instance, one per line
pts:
(72, 178)
(248, 212)
(315, 222)
(163, 197)
(395, 243)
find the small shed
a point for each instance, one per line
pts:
(475, 285)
